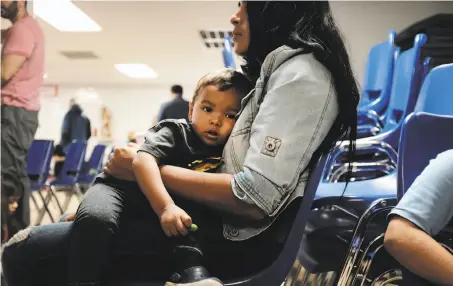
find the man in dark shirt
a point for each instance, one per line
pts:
(177, 108)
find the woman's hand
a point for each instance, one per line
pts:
(120, 163)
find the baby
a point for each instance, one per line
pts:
(197, 144)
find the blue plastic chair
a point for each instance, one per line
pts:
(38, 166)
(276, 273)
(227, 53)
(67, 180)
(406, 82)
(339, 212)
(408, 76)
(430, 129)
(378, 80)
(93, 167)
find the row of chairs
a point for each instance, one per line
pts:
(75, 175)
(338, 228)
(345, 230)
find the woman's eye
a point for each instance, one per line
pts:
(207, 109)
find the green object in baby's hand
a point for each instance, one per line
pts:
(193, 228)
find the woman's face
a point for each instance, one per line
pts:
(241, 31)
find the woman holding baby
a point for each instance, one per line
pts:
(304, 100)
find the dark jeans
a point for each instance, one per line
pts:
(410, 279)
(17, 132)
(115, 236)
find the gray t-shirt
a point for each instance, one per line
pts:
(429, 201)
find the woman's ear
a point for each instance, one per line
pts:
(190, 110)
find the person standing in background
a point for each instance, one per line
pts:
(76, 126)
(177, 108)
(22, 70)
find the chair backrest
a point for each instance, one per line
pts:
(379, 73)
(425, 131)
(423, 137)
(227, 53)
(407, 78)
(94, 164)
(436, 94)
(74, 159)
(278, 270)
(38, 160)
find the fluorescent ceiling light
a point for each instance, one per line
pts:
(64, 16)
(136, 70)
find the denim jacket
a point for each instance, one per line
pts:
(281, 124)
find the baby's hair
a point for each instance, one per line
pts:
(224, 80)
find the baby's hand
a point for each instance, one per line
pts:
(175, 221)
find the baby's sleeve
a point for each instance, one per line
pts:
(159, 142)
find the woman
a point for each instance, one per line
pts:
(305, 100)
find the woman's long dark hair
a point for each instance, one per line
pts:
(308, 25)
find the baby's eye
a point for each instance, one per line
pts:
(207, 109)
(230, 116)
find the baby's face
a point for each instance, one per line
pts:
(213, 114)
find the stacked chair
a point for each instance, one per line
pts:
(425, 133)
(338, 207)
(376, 155)
(377, 86)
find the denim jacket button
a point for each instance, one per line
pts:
(234, 232)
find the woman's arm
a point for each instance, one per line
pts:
(211, 189)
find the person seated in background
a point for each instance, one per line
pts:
(195, 145)
(424, 211)
(177, 108)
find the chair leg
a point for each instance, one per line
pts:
(388, 277)
(45, 209)
(53, 194)
(78, 191)
(75, 190)
(349, 265)
(364, 264)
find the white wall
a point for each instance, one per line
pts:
(362, 23)
(133, 109)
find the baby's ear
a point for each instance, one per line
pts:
(190, 110)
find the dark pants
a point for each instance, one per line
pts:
(17, 132)
(116, 235)
(410, 279)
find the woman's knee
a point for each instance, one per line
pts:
(92, 218)
(16, 250)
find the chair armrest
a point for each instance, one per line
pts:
(364, 148)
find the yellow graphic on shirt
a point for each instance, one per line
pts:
(208, 165)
